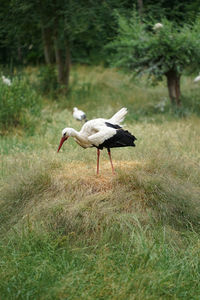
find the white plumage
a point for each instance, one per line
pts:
(197, 78)
(101, 133)
(6, 80)
(157, 26)
(79, 114)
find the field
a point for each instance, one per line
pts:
(67, 233)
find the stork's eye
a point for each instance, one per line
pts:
(64, 134)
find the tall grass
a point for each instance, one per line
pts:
(69, 234)
(47, 81)
(19, 104)
(138, 264)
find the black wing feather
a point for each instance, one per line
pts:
(115, 126)
(122, 138)
(83, 117)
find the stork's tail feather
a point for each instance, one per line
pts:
(119, 116)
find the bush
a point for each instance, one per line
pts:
(167, 51)
(48, 83)
(18, 102)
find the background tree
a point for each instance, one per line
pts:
(19, 34)
(64, 29)
(61, 31)
(167, 51)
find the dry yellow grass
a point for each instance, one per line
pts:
(75, 199)
(81, 171)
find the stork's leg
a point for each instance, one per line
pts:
(109, 154)
(98, 155)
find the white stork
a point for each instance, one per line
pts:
(101, 133)
(6, 80)
(197, 78)
(79, 114)
(157, 26)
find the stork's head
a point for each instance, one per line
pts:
(66, 132)
(75, 109)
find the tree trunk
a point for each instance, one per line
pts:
(173, 84)
(48, 45)
(140, 7)
(19, 54)
(63, 63)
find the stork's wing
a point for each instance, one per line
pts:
(119, 116)
(81, 112)
(79, 115)
(103, 133)
(83, 116)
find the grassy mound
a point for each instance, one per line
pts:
(67, 233)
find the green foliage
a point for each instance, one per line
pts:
(175, 11)
(47, 80)
(21, 40)
(142, 49)
(72, 20)
(19, 104)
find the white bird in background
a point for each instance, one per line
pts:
(157, 26)
(101, 133)
(6, 80)
(79, 114)
(197, 78)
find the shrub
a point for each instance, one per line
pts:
(167, 51)
(48, 83)
(18, 102)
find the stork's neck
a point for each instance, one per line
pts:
(80, 138)
(76, 134)
(73, 132)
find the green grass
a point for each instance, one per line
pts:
(69, 234)
(138, 263)
(20, 105)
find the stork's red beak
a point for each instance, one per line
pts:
(64, 138)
